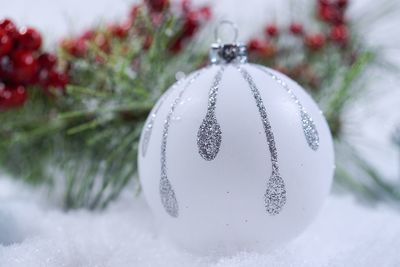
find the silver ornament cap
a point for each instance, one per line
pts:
(223, 53)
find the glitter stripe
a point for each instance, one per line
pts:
(149, 125)
(209, 136)
(167, 194)
(275, 195)
(309, 128)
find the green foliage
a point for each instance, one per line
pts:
(87, 139)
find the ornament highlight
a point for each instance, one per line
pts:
(235, 157)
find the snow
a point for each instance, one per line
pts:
(33, 233)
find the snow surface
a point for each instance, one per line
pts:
(32, 233)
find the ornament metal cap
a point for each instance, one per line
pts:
(222, 53)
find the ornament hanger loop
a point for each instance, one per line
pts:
(234, 51)
(233, 27)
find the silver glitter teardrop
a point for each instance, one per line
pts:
(310, 130)
(209, 136)
(275, 194)
(307, 123)
(149, 125)
(168, 197)
(167, 193)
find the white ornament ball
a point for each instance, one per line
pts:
(235, 157)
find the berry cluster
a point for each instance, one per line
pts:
(23, 64)
(192, 20)
(157, 6)
(332, 13)
(78, 46)
(333, 31)
(157, 11)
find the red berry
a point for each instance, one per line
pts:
(147, 42)
(79, 48)
(5, 99)
(43, 77)
(315, 42)
(339, 19)
(87, 35)
(271, 30)
(57, 79)
(5, 23)
(254, 45)
(191, 24)
(19, 96)
(47, 61)
(5, 68)
(185, 5)
(102, 42)
(342, 3)
(120, 30)
(331, 14)
(296, 28)
(176, 46)
(205, 12)
(29, 38)
(53, 79)
(9, 27)
(261, 48)
(11, 97)
(339, 33)
(324, 2)
(193, 15)
(326, 13)
(75, 47)
(157, 5)
(189, 28)
(24, 66)
(267, 50)
(134, 11)
(6, 43)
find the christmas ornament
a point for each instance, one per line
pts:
(235, 156)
